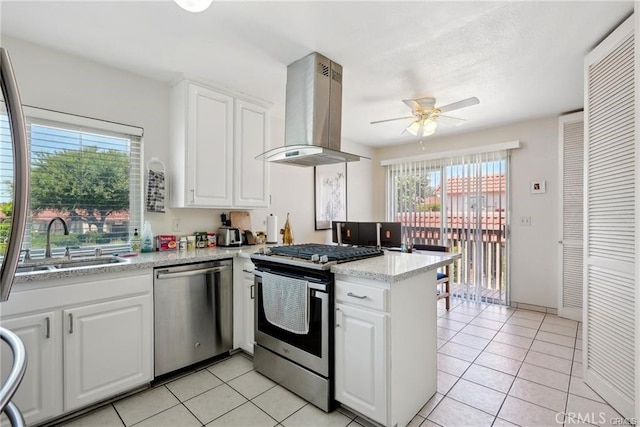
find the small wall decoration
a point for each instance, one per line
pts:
(330, 194)
(537, 187)
(156, 185)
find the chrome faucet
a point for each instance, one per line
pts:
(47, 251)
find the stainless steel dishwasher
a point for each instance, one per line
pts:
(193, 313)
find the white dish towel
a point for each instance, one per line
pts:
(286, 302)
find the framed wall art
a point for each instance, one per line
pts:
(537, 187)
(330, 194)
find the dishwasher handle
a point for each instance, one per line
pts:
(166, 274)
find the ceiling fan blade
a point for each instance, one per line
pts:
(460, 104)
(452, 121)
(391, 120)
(426, 103)
(411, 103)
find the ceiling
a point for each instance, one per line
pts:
(523, 60)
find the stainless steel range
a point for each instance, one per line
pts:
(294, 322)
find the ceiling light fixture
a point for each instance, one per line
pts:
(422, 127)
(194, 6)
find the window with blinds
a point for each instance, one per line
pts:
(88, 176)
(460, 202)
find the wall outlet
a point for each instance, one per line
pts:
(525, 221)
(177, 223)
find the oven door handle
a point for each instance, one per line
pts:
(317, 287)
(322, 287)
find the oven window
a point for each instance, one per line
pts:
(311, 342)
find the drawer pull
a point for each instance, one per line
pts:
(351, 294)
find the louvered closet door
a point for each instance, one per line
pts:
(571, 162)
(610, 236)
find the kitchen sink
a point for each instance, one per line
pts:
(33, 268)
(87, 263)
(68, 265)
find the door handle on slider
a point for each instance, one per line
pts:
(351, 294)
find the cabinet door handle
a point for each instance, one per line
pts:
(70, 323)
(351, 294)
(338, 317)
(193, 196)
(48, 328)
(253, 295)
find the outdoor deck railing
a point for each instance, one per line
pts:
(483, 263)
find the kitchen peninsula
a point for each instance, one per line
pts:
(385, 331)
(385, 341)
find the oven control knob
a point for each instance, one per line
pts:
(324, 259)
(315, 258)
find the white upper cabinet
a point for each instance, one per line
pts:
(214, 141)
(251, 139)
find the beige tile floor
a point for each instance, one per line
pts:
(497, 366)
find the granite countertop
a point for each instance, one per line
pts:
(139, 261)
(395, 266)
(392, 267)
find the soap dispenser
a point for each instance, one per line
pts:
(136, 241)
(147, 237)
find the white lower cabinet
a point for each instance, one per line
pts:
(85, 340)
(39, 396)
(361, 360)
(105, 349)
(243, 305)
(385, 346)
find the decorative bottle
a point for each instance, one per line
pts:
(287, 234)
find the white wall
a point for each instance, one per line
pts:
(55, 80)
(534, 249)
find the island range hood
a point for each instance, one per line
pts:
(313, 117)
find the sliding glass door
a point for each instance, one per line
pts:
(459, 202)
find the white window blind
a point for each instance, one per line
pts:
(460, 202)
(90, 177)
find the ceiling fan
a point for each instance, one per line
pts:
(426, 115)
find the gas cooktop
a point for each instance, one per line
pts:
(316, 255)
(333, 253)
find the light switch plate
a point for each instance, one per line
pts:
(176, 224)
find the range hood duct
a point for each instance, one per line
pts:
(313, 117)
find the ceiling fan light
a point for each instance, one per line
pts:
(430, 126)
(414, 128)
(194, 6)
(427, 132)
